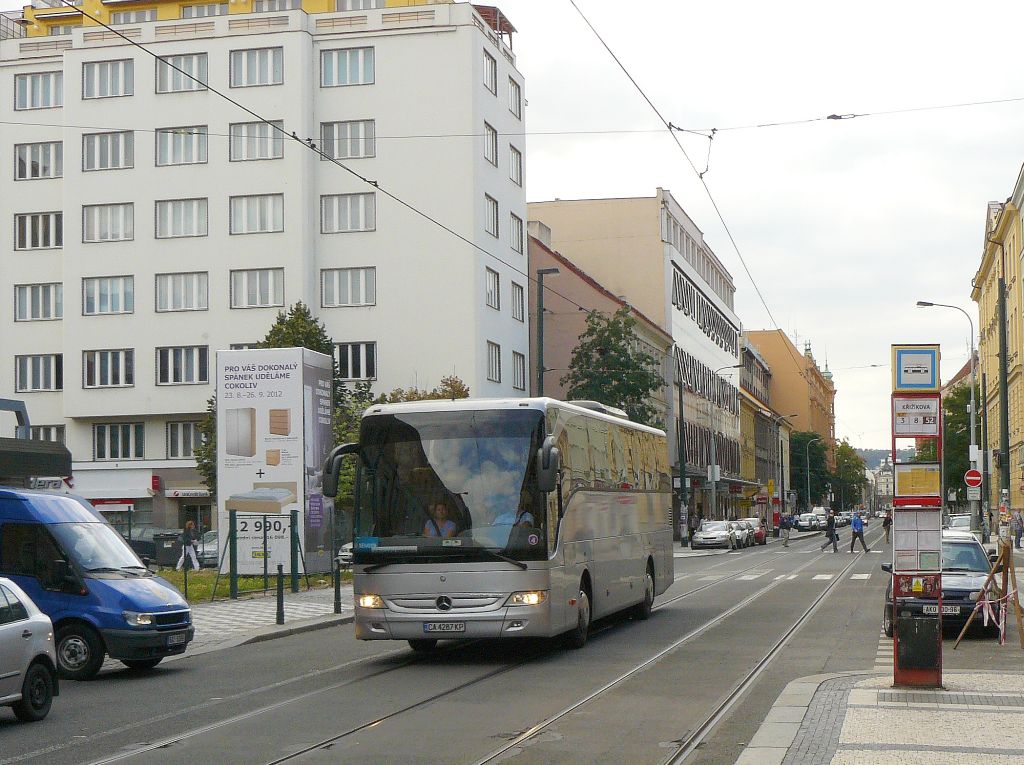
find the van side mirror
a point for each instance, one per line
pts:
(549, 464)
(887, 567)
(332, 467)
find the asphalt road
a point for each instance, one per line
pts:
(380, 702)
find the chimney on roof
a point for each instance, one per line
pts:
(539, 231)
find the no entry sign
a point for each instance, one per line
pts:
(972, 477)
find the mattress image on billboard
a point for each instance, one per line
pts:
(268, 497)
(240, 432)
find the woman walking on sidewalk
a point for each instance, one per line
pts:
(188, 546)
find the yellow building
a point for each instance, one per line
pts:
(1001, 257)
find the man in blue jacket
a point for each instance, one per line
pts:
(857, 527)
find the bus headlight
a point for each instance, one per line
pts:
(371, 601)
(527, 598)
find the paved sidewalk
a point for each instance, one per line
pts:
(858, 718)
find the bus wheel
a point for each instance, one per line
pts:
(423, 645)
(643, 609)
(578, 636)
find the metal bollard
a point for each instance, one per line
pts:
(337, 586)
(280, 593)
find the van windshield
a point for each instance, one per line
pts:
(95, 547)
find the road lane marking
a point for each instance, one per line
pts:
(749, 577)
(861, 576)
(822, 576)
(712, 577)
(791, 576)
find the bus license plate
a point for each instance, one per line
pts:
(176, 639)
(444, 626)
(951, 610)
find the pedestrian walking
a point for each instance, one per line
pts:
(830, 532)
(1017, 527)
(887, 525)
(786, 523)
(857, 532)
(188, 546)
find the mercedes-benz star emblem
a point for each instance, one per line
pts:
(444, 603)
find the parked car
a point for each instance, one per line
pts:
(84, 576)
(760, 532)
(807, 522)
(744, 534)
(207, 550)
(141, 540)
(962, 522)
(28, 660)
(714, 534)
(964, 570)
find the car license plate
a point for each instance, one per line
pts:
(444, 626)
(951, 610)
(176, 639)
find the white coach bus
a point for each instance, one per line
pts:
(504, 518)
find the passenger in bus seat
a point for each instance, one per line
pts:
(439, 524)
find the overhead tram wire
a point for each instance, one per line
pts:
(309, 144)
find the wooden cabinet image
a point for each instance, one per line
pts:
(280, 422)
(240, 432)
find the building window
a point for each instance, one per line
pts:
(515, 98)
(269, 6)
(108, 223)
(256, 140)
(182, 292)
(518, 302)
(243, 346)
(348, 287)
(515, 165)
(518, 371)
(183, 438)
(493, 362)
(490, 144)
(490, 215)
(257, 66)
(53, 433)
(108, 294)
(119, 441)
(204, 10)
(493, 289)
(39, 373)
(108, 79)
(108, 369)
(181, 217)
(108, 151)
(132, 17)
(181, 145)
(356, 361)
(38, 231)
(358, 5)
(490, 73)
(257, 288)
(257, 214)
(59, 30)
(38, 302)
(40, 90)
(34, 161)
(348, 140)
(347, 66)
(185, 365)
(185, 72)
(341, 213)
(516, 232)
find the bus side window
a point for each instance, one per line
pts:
(598, 433)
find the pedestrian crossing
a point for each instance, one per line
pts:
(751, 576)
(883, 654)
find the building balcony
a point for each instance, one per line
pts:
(47, 4)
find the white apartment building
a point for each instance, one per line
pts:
(147, 222)
(650, 253)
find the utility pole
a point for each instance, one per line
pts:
(985, 480)
(1004, 403)
(541, 272)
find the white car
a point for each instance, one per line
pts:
(28, 659)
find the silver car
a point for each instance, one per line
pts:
(206, 550)
(28, 659)
(714, 534)
(744, 533)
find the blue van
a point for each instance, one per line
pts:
(83, 575)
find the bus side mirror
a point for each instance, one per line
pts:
(549, 463)
(332, 467)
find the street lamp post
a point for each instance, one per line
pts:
(540, 326)
(977, 522)
(807, 459)
(713, 477)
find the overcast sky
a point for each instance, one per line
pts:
(843, 224)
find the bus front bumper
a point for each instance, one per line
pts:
(519, 621)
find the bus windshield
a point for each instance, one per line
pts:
(442, 485)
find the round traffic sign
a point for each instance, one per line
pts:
(972, 477)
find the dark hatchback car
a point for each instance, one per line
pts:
(142, 542)
(964, 569)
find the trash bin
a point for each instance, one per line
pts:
(167, 549)
(919, 641)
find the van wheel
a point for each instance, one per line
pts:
(79, 652)
(36, 694)
(423, 645)
(577, 637)
(141, 663)
(642, 610)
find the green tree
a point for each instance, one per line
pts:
(206, 452)
(451, 387)
(608, 365)
(798, 464)
(848, 479)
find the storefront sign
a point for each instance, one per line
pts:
(176, 493)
